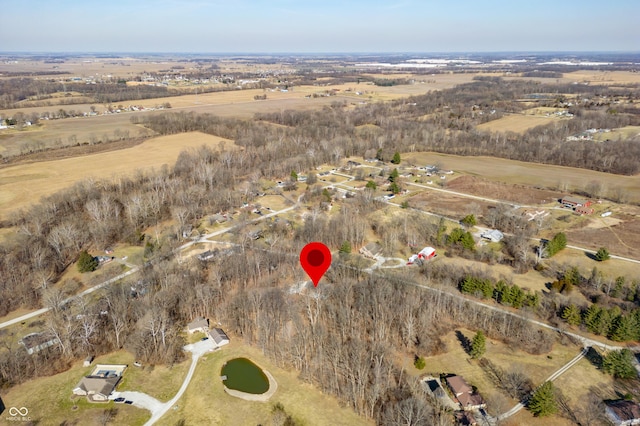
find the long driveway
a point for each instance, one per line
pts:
(519, 406)
(157, 408)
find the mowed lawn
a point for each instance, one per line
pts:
(24, 184)
(49, 399)
(536, 367)
(206, 403)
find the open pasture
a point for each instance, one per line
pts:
(24, 184)
(622, 133)
(605, 78)
(205, 401)
(517, 123)
(533, 174)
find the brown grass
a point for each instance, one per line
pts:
(205, 401)
(49, 398)
(517, 123)
(523, 173)
(455, 361)
(45, 178)
(607, 78)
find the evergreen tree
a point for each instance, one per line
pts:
(619, 364)
(345, 248)
(624, 328)
(396, 158)
(469, 221)
(557, 243)
(478, 345)
(571, 314)
(602, 254)
(86, 262)
(394, 188)
(394, 175)
(294, 176)
(419, 363)
(371, 185)
(543, 402)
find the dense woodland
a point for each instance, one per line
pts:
(345, 340)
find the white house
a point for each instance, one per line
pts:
(493, 235)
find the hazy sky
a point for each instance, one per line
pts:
(211, 26)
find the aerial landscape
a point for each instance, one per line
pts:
(319, 213)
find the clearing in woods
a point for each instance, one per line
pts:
(24, 184)
(454, 360)
(523, 173)
(517, 123)
(205, 401)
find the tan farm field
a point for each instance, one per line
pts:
(606, 78)
(25, 184)
(517, 123)
(523, 173)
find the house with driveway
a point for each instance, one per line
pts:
(468, 399)
(102, 381)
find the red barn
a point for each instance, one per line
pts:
(427, 253)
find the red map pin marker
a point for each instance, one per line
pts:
(315, 259)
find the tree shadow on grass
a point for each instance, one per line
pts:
(594, 358)
(464, 341)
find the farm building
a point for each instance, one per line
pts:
(492, 235)
(575, 202)
(35, 342)
(218, 336)
(464, 394)
(584, 210)
(623, 413)
(427, 253)
(198, 324)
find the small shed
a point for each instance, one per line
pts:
(87, 361)
(492, 235)
(427, 253)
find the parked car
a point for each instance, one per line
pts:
(119, 400)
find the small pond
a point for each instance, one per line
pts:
(244, 376)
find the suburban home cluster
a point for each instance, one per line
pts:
(102, 381)
(217, 336)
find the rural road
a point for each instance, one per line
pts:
(135, 269)
(551, 378)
